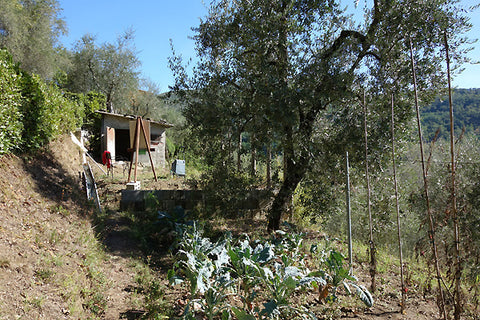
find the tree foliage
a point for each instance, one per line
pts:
(290, 72)
(46, 113)
(29, 30)
(109, 68)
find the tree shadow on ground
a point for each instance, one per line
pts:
(52, 180)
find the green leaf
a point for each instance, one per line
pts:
(347, 288)
(294, 272)
(290, 283)
(265, 254)
(226, 315)
(242, 314)
(363, 294)
(174, 279)
(308, 280)
(222, 258)
(270, 309)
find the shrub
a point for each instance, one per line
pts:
(10, 101)
(46, 112)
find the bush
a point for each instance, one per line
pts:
(226, 191)
(46, 112)
(33, 112)
(10, 100)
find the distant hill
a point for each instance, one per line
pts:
(466, 106)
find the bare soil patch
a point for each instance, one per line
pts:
(51, 264)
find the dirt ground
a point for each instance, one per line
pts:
(53, 264)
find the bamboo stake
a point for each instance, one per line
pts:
(373, 250)
(441, 303)
(400, 254)
(148, 149)
(269, 166)
(135, 144)
(458, 267)
(239, 152)
(349, 217)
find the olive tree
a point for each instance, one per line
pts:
(290, 71)
(109, 68)
(30, 31)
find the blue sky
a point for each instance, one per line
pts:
(155, 22)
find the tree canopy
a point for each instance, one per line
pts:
(109, 68)
(29, 30)
(289, 73)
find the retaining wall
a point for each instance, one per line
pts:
(187, 199)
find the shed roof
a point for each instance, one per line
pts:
(161, 123)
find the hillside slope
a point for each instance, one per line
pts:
(466, 103)
(51, 264)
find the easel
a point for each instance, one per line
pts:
(136, 147)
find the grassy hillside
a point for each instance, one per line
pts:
(52, 264)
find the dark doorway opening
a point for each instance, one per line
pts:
(122, 144)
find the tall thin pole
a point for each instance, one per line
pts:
(137, 146)
(441, 303)
(349, 217)
(373, 261)
(269, 165)
(148, 148)
(400, 254)
(458, 267)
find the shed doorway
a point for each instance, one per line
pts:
(122, 144)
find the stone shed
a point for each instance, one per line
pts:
(117, 136)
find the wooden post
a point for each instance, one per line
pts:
(148, 148)
(349, 216)
(400, 254)
(456, 247)
(373, 249)
(431, 233)
(135, 144)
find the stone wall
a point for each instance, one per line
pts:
(187, 199)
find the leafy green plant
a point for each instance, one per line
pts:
(176, 220)
(264, 275)
(335, 275)
(46, 113)
(248, 267)
(153, 292)
(281, 285)
(154, 301)
(194, 260)
(288, 246)
(10, 100)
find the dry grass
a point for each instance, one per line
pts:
(52, 266)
